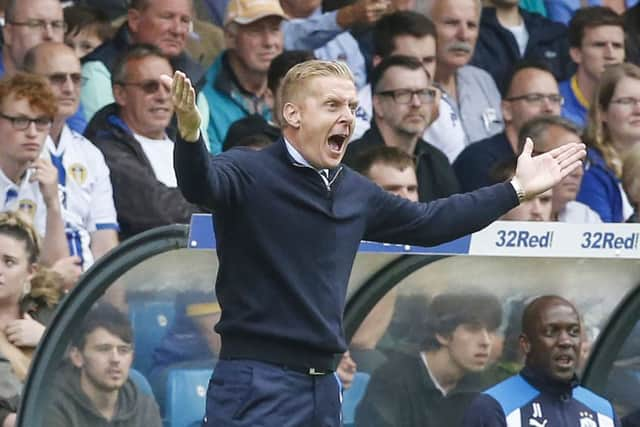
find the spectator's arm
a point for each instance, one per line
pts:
(9, 420)
(96, 92)
(102, 241)
(54, 245)
(8, 409)
(312, 32)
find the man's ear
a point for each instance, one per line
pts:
(376, 60)
(443, 340)
(291, 115)
(133, 20)
(230, 33)
(76, 357)
(525, 344)
(507, 113)
(119, 95)
(576, 55)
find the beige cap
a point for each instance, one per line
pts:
(247, 11)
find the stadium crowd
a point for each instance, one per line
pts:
(449, 90)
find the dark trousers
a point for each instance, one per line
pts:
(247, 393)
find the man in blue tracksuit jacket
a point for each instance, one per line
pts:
(546, 392)
(289, 220)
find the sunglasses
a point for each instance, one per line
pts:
(147, 86)
(60, 79)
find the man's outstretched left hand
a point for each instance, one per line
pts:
(536, 174)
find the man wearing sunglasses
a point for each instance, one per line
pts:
(531, 91)
(83, 176)
(133, 135)
(403, 105)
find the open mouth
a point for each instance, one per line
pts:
(337, 142)
(564, 361)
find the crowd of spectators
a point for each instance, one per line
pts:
(449, 90)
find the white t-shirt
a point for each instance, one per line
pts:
(578, 213)
(85, 191)
(160, 155)
(521, 35)
(26, 198)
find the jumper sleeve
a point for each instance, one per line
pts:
(393, 219)
(206, 180)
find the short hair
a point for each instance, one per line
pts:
(300, 74)
(135, 52)
(80, 17)
(104, 316)
(390, 156)
(448, 311)
(139, 4)
(35, 89)
(525, 64)
(397, 24)
(408, 62)
(537, 126)
(283, 63)
(502, 171)
(531, 311)
(591, 17)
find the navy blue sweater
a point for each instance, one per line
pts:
(286, 243)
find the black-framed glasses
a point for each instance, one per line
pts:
(60, 79)
(626, 101)
(23, 122)
(42, 24)
(405, 96)
(539, 98)
(148, 86)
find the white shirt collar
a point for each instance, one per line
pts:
(299, 159)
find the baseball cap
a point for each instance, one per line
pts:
(247, 11)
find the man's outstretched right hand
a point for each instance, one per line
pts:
(183, 97)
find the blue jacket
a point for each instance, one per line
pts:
(529, 399)
(286, 243)
(497, 50)
(600, 188)
(572, 109)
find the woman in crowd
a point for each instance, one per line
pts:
(28, 297)
(612, 130)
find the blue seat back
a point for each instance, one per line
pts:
(186, 396)
(352, 396)
(141, 382)
(150, 320)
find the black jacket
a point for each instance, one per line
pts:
(436, 178)
(109, 52)
(497, 50)
(142, 202)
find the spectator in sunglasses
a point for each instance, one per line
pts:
(85, 189)
(133, 135)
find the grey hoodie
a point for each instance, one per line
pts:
(71, 407)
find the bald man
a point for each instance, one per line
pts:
(546, 392)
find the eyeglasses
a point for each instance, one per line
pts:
(60, 79)
(148, 86)
(23, 122)
(34, 24)
(626, 101)
(538, 98)
(405, 96)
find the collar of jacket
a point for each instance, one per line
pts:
(279, 148)
(549, 385)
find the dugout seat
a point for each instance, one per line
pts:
(186, 396)
(150, 320)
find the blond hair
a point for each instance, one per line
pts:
(46, 285)
(631, 172)
(295, 81)
(597, 133)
